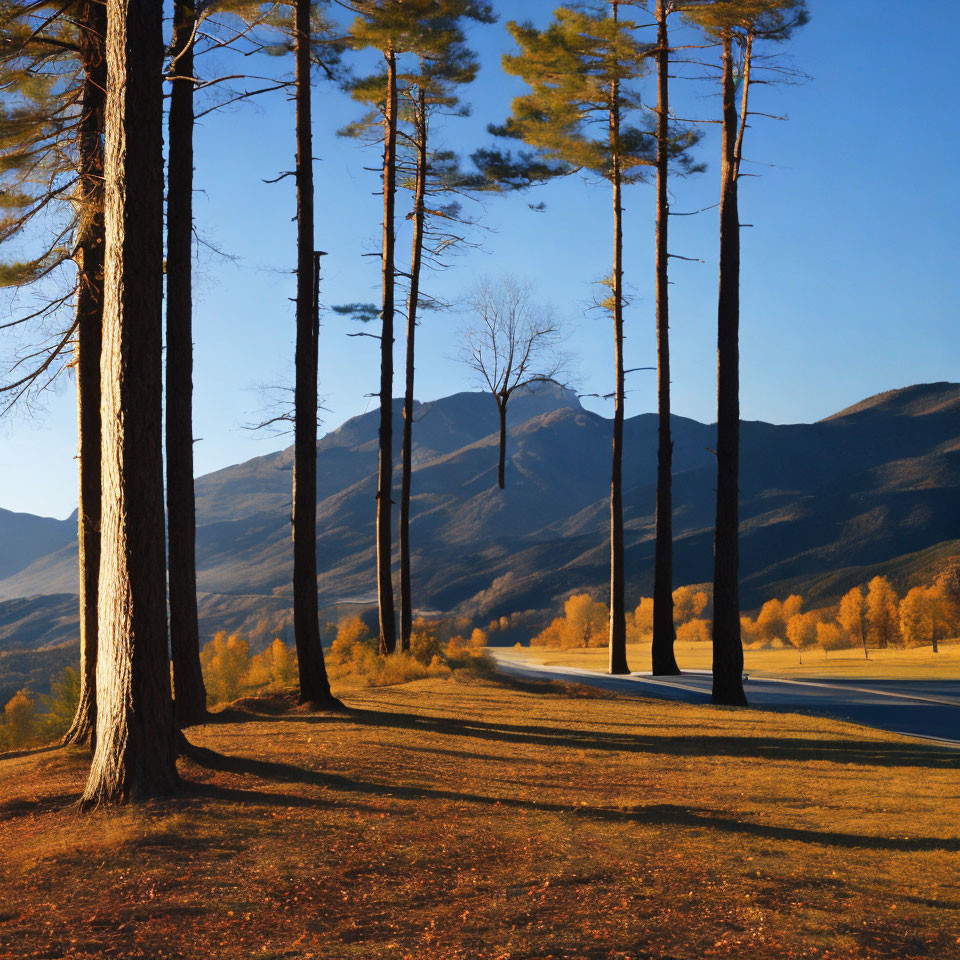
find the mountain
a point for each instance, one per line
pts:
(874, 487)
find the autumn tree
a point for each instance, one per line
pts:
(882, 614)
(801, 631)
(226, 662)
(581, 70)
(852, 616)
(511, 344)
(135, 754)
(830, 636)
(922, 616)
(737, 26)
(687, 602)
(643, 617)
(774, 616)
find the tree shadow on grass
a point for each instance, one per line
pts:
(665, 814)
(797, 749)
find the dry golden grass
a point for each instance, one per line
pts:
(441, 820)
(917, 663)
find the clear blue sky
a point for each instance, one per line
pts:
(849, 282)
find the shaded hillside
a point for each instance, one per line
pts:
(856, 491)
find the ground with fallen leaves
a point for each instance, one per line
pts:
(445, 819)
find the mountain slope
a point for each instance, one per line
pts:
(855, 491)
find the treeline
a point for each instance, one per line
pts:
(870, 617)
(439, 648)
(82, 87)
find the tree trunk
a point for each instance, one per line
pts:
(136, 746)
(863, 637)
(416, 262)
(727, 645)
(190, 695)
(618, 625)
(314, 685)
(664, 634)
(502, 401)
(388, 625)
(93, 21)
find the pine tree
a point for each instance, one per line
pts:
(135, 753)
(736, 25)
(580, 69)
(53, 70)
(314, 683)
(443, 63)
(190, 696)
(673, 143)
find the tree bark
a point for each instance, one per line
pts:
(314, 684)
(136, 748)
(416, 263)
(388, 625)
(664, 634)
(190, 696)
(727, 645)
(93, 28)
(618, 626)
(502, 455)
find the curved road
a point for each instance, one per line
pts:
(917, 708)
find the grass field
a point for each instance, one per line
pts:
(445, 820)
(917, 663)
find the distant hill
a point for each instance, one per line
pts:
(823, 504)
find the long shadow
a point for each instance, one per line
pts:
(653, 814)
(798, 749)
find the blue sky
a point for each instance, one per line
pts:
(849, 270)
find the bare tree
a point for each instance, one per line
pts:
(512, 343)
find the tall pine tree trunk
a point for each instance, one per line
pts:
(136, 751)
(93, 28)
(190, 696)
(416, 263)
(664, 660)
(388, 625)
(618, 626)
(314, 684)
(727, 645)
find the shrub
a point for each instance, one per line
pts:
(61, 704)
(276, 667)
(694, 631)
(351, 633)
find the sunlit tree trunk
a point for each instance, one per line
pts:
(314, 684)
(190, 697)
(727, 645)
(664, 635)
(135, 753)
(416, 263)
(618, 626)
(92, 38)
(388, 626)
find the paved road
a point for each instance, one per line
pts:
(920, 708)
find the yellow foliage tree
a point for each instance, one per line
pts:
(275, 667)
(551, 636)
(830, 636)
(20, 714)
(801, 631)
(586, 622)
(688, 603)
(923, 616)
(883, 615)
(643, 617)
(351, 632)
(694, 631)
(226, 662)
(852, 616)
(770, 622)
